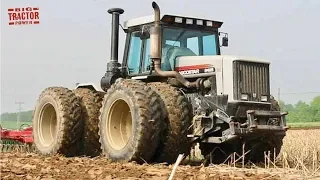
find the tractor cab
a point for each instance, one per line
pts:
(181, 36)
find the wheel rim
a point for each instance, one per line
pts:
(119, 124)
(47, 125)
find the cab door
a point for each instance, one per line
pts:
(134, 53)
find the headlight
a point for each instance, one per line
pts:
(209, 23)
(189, 21)
(178, 20)
(199, 22)
(244, 97)
(264, 98)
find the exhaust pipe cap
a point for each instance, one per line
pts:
(115, 10)
(155, 5)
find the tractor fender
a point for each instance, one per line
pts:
(89, 86)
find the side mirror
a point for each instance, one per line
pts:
(225, 41)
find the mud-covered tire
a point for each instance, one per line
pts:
(178, 118)
(57, 124)
(91, 104)
(130, 122)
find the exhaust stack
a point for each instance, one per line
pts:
(155, 34)
(155, 51)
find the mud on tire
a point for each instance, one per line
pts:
(57, 125)
(91, 104)
(178, 117)
(130, 122)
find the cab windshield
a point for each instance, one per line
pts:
(186, 42)
(175, 42)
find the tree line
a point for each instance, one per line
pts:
(302, 111)
(25, 116)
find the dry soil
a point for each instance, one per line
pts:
(33, 166)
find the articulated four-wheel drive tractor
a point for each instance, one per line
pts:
(172, 90)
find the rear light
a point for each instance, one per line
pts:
(168, 19)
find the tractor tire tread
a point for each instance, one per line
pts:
(178, 121)
(148, 105)
(91, 102)
(69, 113)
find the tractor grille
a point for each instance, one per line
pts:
(251, 78)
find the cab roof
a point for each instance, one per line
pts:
(172, 19)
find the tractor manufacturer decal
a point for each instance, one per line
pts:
(195, 69)
(23, 16)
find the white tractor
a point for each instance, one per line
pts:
(172, 90)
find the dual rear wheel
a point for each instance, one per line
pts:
(130, 122)
(57, 124)
(135, 121)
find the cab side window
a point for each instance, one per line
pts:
(134, 54)
(147, 60)
(193, 44)
(209, 41)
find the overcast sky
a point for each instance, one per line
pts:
(71, 43)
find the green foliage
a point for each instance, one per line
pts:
(15, 125)
(26, 116)
(303, 124)
(302, 112)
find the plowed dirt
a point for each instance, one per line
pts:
(32, 166)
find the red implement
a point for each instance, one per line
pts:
(23, 136)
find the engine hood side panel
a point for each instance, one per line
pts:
(201, 66)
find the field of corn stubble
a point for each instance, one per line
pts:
(299, 159)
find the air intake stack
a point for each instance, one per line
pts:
(115, 33)
(113, 71)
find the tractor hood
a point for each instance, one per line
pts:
(199, 66)
(222, 67)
